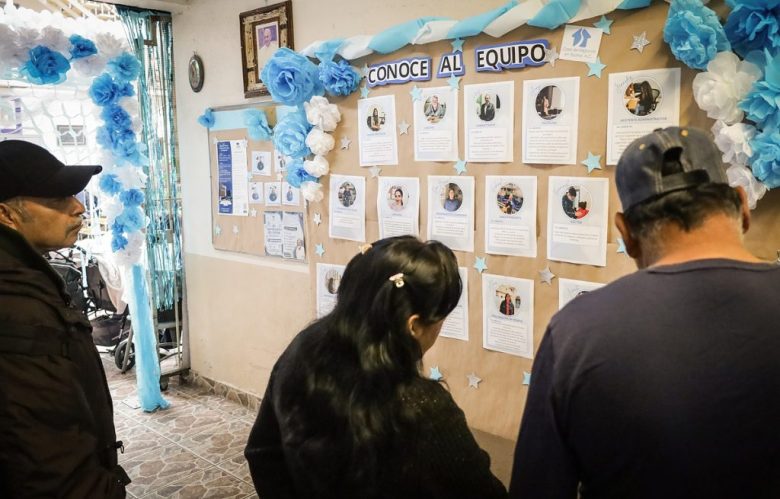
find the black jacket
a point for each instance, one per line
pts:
(57, 436)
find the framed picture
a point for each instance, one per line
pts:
(10, 115)
(262, 32)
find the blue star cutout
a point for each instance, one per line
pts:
(526, 378)
(595, 68)
(454, 82)
(416, 93)
(364, 92)
(457, 45)
(621, 246)
(593, 162)
(604, 25)
(480, 264)
(320, 250)
(460, 166)
(435, 374)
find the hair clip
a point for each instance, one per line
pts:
(363, 248)
(398, 279)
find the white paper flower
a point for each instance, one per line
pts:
(89, 66)
(11, 53)
(109, 46)
(312, 191)
(55, 39)
(321, 113)
(726, 82)
(28, 37)
(111, 207)
(742, 176)
(131, 177)
(133, 251)
(734, 141)
(317, 167)
(320, 143)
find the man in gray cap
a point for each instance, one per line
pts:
(666, 382)
(57, 435)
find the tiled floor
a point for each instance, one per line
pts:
(192, 450)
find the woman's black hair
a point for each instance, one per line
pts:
(344, 407)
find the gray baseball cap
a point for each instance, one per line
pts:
(649, 167)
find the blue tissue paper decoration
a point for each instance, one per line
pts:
(132, 197)
(256, 122)
(474, 25)
(762, 103)
(45, 66)
(118, 242)
(207, 118)
(110, 184)
(132, 218)
(327, 50)
(124, 67)
(753, 28)
(290, 135)
(402, 34)
(694, 33)
(105, 91)
(297, 174)
(81, 47)
(339, 78)
(765, 161)
(116, 117)
(555, 13)
(633, 4)
(291, 78)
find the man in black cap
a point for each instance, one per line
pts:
(666, 382)
(57, 435)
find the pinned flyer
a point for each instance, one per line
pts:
(377, 132)
(489, 117)
(580, 43)
(436, 125)
(398, 206)
(550, 117)
(451, 211)
(328, 280)
(510, 216)
(508, 315)
(569, 289)
(347, 207)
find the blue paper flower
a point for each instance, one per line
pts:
(116, 117)
(694, 33)
(104, 91)
(132, 197)
(124, 67)
(117, 228)
(118, 242)
(765, 161)
(110, 184)
(753, 28)
(45, 66)
(297, 174)
(761, 104)
(257, 124)
(133, 218)
(290, 135)
(291, 78)
(339, 78)
(207, 118)
(81, 47)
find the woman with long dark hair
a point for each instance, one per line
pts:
(347, 413)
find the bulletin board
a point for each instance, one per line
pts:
(245, 234)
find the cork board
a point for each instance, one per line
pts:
(497, 406)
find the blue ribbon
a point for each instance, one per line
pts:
(555, 13)
(476, 24)
(327, 50)
(396, 37)
(633, 4)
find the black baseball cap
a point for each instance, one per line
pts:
(650, 167)
(27, 169)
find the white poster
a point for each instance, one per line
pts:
(510, 216)
(376, 131)
(451, 211)
(398, 206)
(280, 162)
(436, 125)
(347, 207)
(577, 220)
(569, 289)
(232, 181)
(550, 118)
(292, 236)
(273, 193)
(640, 102)
(261, 163)
(272, 233)
(456, 325)
(489, 116)
(291, 196)
(508, 315)
(256, 193)
(328, 280)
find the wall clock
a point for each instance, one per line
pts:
(196, 73)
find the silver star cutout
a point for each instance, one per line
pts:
(217, 230)
(317, 219)
(235, 229)
(364, 70)
(474, 380)
(640, 42)
(345, 142)
(253, 212)
(403, 127)
(551, 56)
(375, 171)
(546, 276)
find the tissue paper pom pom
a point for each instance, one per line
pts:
(338, 78)
(762, 102)
(115, 116)
(765, 161)
(132, 252)
(291, 78)
(89, 66)
(207, 118)
(741, 176)
(290, 135)
(108, 45)
(124, 67)
(110, 184)
(45, 66)
(257, 124)
(104, 91)
(312, 191)
(81, 47)
(322, 114)
(694, 33)
(317, 167)
(132, 197)
(320, 143)
(725, 83)
(53, 38)
(734, 141)
(297, 174)
(133, 218)
(752, 28)
(131, 178)
(118, 242)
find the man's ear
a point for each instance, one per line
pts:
(744, 208)
(632, 244)
(7, 215)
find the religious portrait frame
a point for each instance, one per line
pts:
(263, 30)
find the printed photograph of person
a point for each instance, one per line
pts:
(549, 102)
(582, 210)
(568, 202)
(433, 109)
(508, 303)
(452, 197)
(261, 162)
(273, 196)
(267, 36)
(300, 251)
(347, 194)
(487, 105)
(642, 97)
(509, 199)
(395, 198)
(375, 119)
(576, 202)
(332, 281)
